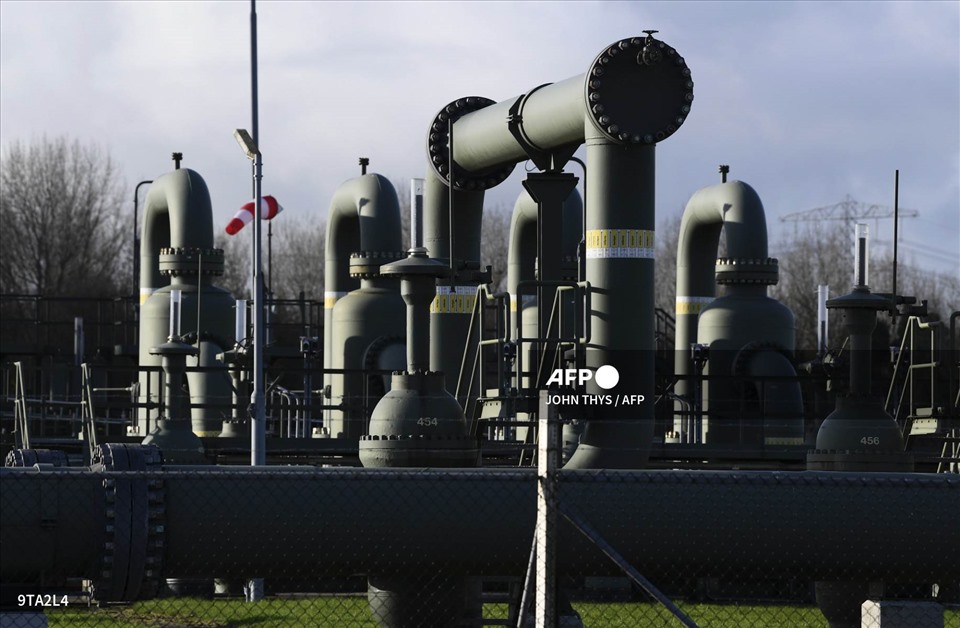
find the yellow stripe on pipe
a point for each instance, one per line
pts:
(330, 299)
(692, 305)
(620, 243)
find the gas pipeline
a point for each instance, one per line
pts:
(402, 343)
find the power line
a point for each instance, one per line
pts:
(847, 209)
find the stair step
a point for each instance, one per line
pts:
(922, 426)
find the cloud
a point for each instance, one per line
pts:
(806, 101)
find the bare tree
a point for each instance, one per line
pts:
(237, 253)
(60, 211)
(298, 258)
(665, 273)
(823, 254)
(495, 244)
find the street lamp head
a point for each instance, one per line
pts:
(246, 143)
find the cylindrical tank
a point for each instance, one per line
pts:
(368, 331)
(178, 254)
(212, 389)
(363, 313)
(749, 334)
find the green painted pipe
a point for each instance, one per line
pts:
(637, 92)
(177, 213)
(285, 523)
(359, 306)
(619, 268)
(178, 254)
(746, 315)
(455, 296)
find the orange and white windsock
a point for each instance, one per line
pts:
(269, 208)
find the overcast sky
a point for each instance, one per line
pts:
(808, 102)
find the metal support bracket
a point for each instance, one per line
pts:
(547, 161)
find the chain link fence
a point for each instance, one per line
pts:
(172, 546)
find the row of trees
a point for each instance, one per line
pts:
(64, 232)
(295, 260)
(61, 229)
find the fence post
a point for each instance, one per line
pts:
(546, 587)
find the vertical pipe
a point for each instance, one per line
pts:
(241, 321)
(861, 324)
(136, 240)
(240, 334)
(175, 300)
(862, 257)
(620, 202)
(416, 213)
(896, 226)
(823, 293)
(78, 340)
(449, 326)
(450, 203)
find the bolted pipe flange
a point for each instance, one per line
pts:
(366, 264)
(193, 261)
(438, 152)
(31, 457)
(638, 91)
(133, 541)
(764, 272)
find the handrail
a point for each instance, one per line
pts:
(581, 327)
(21, 425)
(88, 422)
(478, 319)
(908, 346)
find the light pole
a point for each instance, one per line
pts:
(258, 427)
(258, 418)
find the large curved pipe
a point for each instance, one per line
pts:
(734, 208)
(628, 95)
(177, 214)
(733, 523)
(178, 253)
(364, 217)
(636, 93)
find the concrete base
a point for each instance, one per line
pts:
(900, 614)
